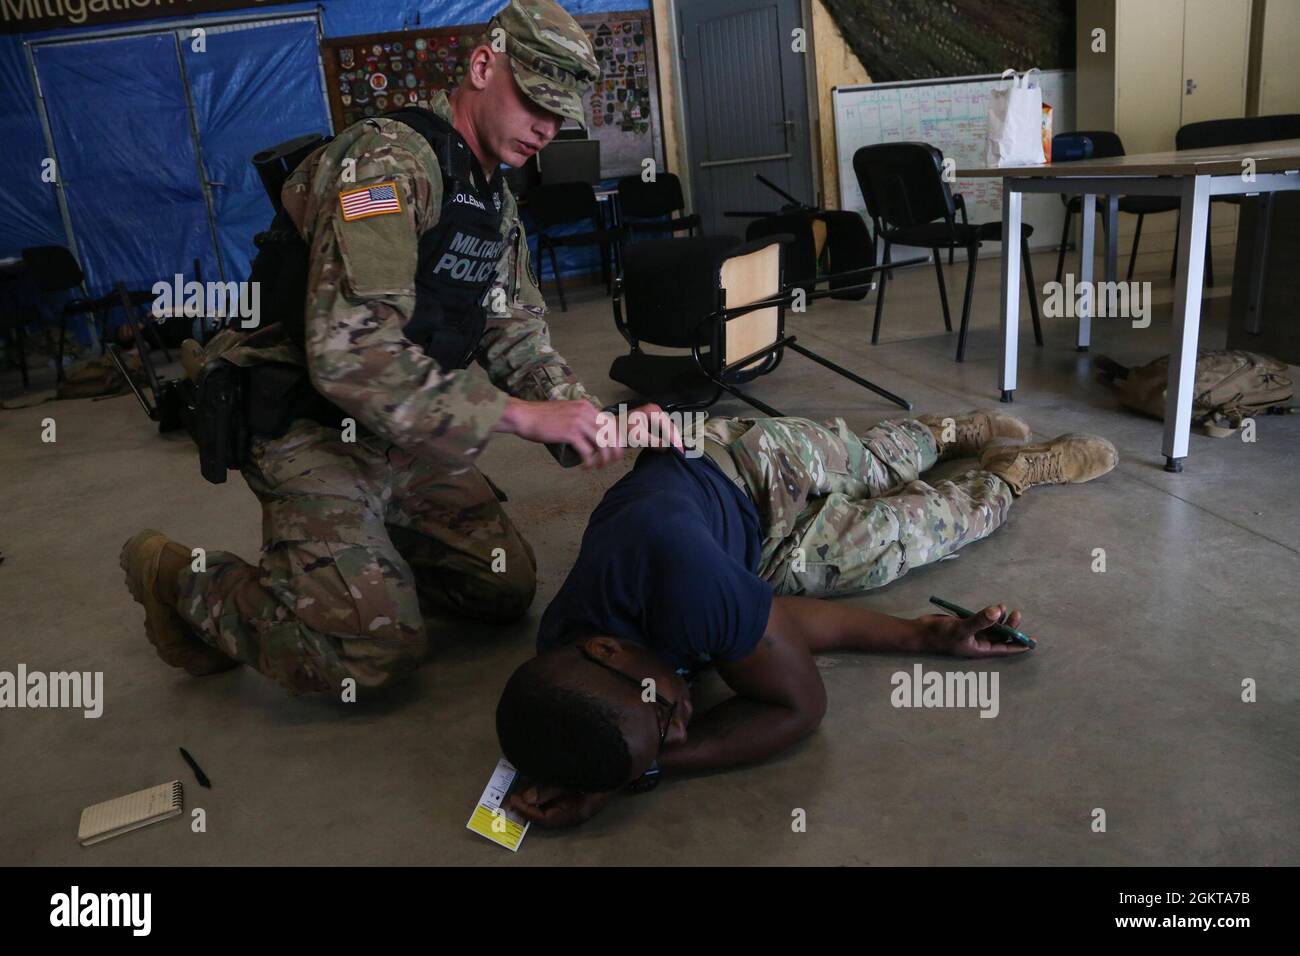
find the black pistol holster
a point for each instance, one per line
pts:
(220, 428)
(236, 404)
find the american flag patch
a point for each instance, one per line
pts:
(377, 200)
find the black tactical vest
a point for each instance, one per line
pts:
(458, 257)
(456, 263)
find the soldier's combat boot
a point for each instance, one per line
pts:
(1069, 459)
(967, 435)
(192, 359)
(151, 561)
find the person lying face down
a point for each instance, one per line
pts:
(719, 561)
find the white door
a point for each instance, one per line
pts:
(1216, 47)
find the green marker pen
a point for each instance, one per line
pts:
(1010, 633)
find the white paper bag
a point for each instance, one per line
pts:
(1015, 129)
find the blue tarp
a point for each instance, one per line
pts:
(136, 148)
(252, 88)
(129, 175)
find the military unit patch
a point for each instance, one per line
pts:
(619, 110)
(377, 200)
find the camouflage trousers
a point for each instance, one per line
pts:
(843, 513)
(356, 538)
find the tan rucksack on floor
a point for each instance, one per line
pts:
(1230, 386)
(100, 376)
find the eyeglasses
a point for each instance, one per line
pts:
(664, 708)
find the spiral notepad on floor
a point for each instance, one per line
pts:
(114, 817)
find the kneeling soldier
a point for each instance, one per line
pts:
(415, 265)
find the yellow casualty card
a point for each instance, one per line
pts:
(490, 819)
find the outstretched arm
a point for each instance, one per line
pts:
(825, 626)
(780, 698)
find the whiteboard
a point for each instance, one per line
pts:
(950, 114)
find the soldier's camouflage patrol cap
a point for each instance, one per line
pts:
(550, 55)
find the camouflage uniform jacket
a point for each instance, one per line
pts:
(361, 292)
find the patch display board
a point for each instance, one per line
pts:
(372, 74)
(950, 114)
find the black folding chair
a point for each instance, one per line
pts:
(19, 305)
(55, 269)
(1233, 132)
(910, 204)
(1105, 144)
(563, 204)
(643, 206)
(172, 401)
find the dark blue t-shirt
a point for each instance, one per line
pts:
(667, 561)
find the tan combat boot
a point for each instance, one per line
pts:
(151, 561)
(192, 359)
(972, 431)
(1067, 460)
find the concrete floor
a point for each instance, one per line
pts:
(1131, 703)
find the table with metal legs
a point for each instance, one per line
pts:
(1194, 176)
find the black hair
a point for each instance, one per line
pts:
(559, 735)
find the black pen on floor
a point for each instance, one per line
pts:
(199, 775)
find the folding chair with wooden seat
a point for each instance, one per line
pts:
(823, 241)
(722, 300)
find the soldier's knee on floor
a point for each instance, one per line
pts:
(507, 596)
(396, 670)
(496, 585)
(358, 672)
(340, 661)
(508, 591)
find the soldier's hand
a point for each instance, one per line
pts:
(575, 423)
(969, 637)
(649, 426)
